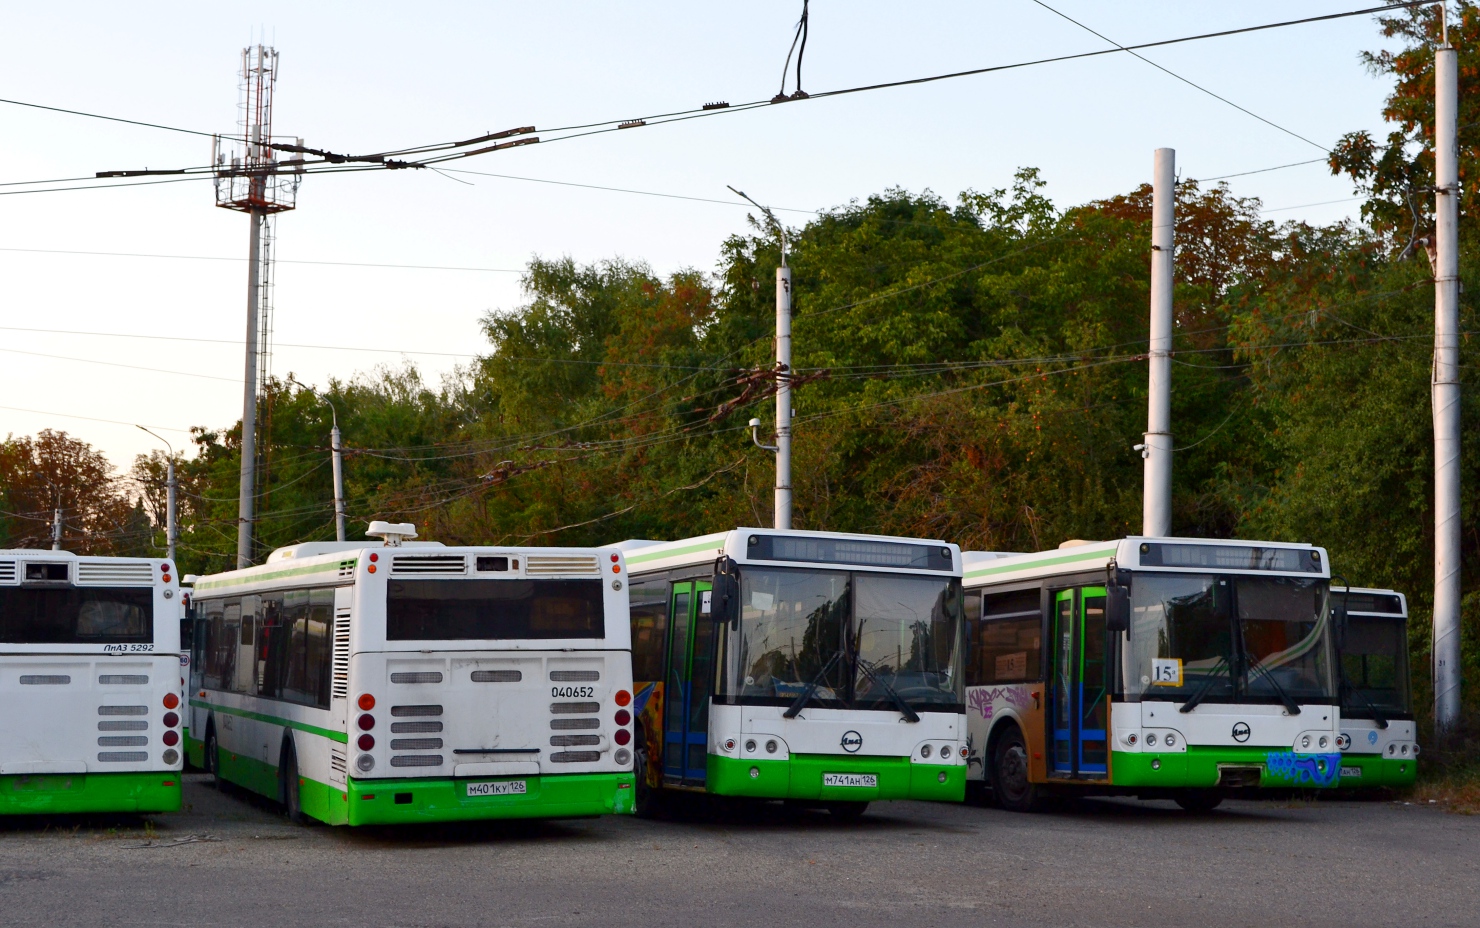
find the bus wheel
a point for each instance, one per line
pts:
(645, 801)
(1010, 774)
(292, 795)
(213, 757)
(1199, 800)
(846, 811)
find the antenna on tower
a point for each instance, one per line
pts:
(250, 179)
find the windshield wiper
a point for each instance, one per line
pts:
(796, 706)
(1207, 686)
(1290, 705)
(904, 708)
(1377, 716)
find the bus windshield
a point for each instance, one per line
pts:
(1215, 638)
(1374, 668)
(856, 640)
(77, 615)
(448, 610)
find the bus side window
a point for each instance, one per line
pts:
(320, 647)
(1010, 638)
(972, 618)
(649, 629)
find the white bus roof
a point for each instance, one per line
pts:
(984, 567)
(313, 548)
(645, 556)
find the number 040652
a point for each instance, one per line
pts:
(573, 692)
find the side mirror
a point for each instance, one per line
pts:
(1117, 608)
(1339, 614)
(725, 592)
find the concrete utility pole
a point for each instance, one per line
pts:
(783, 380)
(56, 529)
(336, 452)
(1156, 511)
(1446, 398)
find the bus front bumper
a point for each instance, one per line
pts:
(1202, 767)
(801, 777)
(61, 793)
(442, 799)
(1369, 771)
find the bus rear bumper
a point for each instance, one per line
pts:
(62, 793)
(440, 799)
(1375, 771)
(801, 777)
(1206, 767)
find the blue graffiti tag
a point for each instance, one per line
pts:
(1314, 769)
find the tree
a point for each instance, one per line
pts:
(55, 471)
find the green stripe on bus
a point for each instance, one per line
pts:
(1046, 562)
(658, 555)
(339, 736)
(333, 568)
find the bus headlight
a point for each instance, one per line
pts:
(364, 763)
(924, 750)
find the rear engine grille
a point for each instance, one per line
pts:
(123, 757)
(346, 569)
(413, 728)
(546, 565)
(574, 724)
(122, 741)
(114, 572)
(454, 564)
(422, 676)
(123, 710)
(413, 711)
(123, 726)
(575, 676)
(416, 744)
(575, 757)
(7, 571)
(336, 761)
(123, 679)
(416, 760)
(574, 741)
(45, 679)
(340, 684)
(574, 708)
(497, 676)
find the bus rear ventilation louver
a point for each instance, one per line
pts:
(7, 571)
(122, 741)
(339, 688)
(411, 728)
(574, 724)
(575, 676)
(443, 564)
(337, 761)
(416, 744)
(414, 711)
(419, 676)
(497, 676)
(123, 710)
(123, 757)
(416, 760)
(113, 572)
(125, 725)
(575, 757)
(574, 708)
(123, 679)
(45, 679)
(346, 569)
(574, 741)
(549, 565)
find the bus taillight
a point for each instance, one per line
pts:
(622, 736)
(171, 720)
(366, 722)
(623, 717)
(171, 700)
(623, 697)
(366, 742)
(171, 738)
(366, 702)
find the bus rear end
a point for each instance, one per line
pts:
(488, 683)
(90, 681)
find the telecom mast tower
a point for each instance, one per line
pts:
(250, 179)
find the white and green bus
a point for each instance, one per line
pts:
(1172, 668)
(359, 683)
(90, 682)
(1378, 738)
(815, 667)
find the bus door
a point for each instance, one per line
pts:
(1079, 694)
(690, 681)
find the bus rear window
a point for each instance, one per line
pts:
(493, 610)
(77, 615)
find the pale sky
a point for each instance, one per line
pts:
(375, 75)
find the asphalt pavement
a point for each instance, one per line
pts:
(231, 859)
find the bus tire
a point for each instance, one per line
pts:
(846, 811)
(213, 755)
(645, 799)
(1010, 784)
(1199, 800)
(292, 796)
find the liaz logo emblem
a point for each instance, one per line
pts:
(852, 741)
(1240, 732)
(1343, 741)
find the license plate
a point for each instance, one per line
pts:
(867, 780)
(1351, 771)
(500, 788)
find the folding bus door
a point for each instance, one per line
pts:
(689, 684)
(1078, 683)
